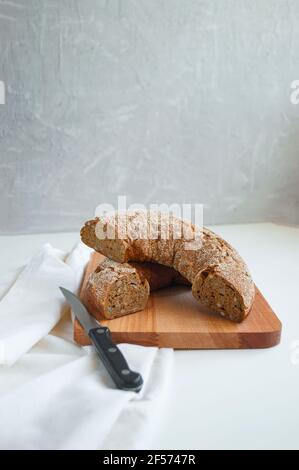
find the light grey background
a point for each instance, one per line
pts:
(159, 100)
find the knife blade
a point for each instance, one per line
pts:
(111, 356)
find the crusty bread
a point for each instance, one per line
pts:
(219, 276)
(117, 289)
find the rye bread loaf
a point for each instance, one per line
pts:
(219, 276)
(115, 289)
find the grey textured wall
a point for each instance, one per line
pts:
(161, 100)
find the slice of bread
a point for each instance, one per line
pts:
(117, 289)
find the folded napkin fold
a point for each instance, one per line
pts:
(56, 394)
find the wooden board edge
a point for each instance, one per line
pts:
(254, 340)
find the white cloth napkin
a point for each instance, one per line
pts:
(33, 304)
(55, 394)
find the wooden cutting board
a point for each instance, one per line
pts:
(174, 319)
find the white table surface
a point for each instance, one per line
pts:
(226, 399)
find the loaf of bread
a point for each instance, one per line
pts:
(117, 289)
(219, 276)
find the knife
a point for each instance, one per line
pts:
(111, 356)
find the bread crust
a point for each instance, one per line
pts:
(219, 276)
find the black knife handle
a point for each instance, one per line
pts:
(114, 361)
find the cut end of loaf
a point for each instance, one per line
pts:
(215, 292)
(127, 298)
(114, 290)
